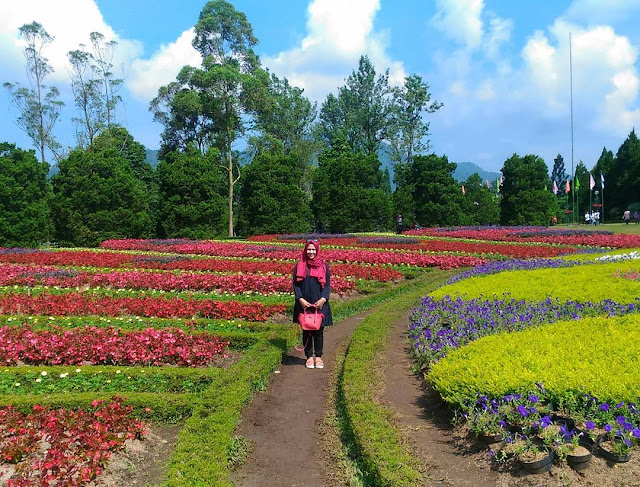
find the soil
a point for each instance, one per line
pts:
(283, 423)
(142, 463)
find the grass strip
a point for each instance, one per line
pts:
(367, 425)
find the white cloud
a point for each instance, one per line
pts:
(460, 20)
(147, 75)
(64, 25)
(605, 81)
(338, 33)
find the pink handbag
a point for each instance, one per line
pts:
(310, 321)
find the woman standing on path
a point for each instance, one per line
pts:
(312, 286)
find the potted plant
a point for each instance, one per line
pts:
(535, 458)
(578, 451)
(617, 442)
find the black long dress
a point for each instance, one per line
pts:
(309, 288)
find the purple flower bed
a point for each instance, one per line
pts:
(20, 250)
(438, 326)
(390, 240)
(496, 266)
(317, 236)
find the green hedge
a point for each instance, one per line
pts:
(384, 458)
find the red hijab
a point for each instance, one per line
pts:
(315, 266)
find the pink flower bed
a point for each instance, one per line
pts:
(146, 261)
(60, 447)
(78, 304)
(110, 346)
(280, 252)
(166, 281)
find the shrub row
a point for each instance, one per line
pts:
(384, 458)
(590, 356)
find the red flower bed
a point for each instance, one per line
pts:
(262, 251)
(108, 346)
(166, 281)
(60, 447)
(507, 234)
(78, 304)
(144, 261)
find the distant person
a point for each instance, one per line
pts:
(399, 224)
(312, 286)
(587, 218)
(554, 220)
(626, 216)
(636, 216)
(596, 218)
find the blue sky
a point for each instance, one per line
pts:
(501, 67)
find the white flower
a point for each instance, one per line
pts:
(43, 373)
(118, 371)
(78, 370)
(17, 384)
(38, 379)
(62, 376)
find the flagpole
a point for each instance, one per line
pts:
(590, 204)
(602, 187)
(573, 174)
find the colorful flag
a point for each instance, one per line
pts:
(555, 187)
(576, 183)
(463, 191)
(567, 187)
(486, 182)
(592, 181)
(602, 180)
(497, 185)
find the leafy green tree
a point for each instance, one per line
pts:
(524, 198)
(38, 105)
(409, 131)
(270, 199)
(216, 105)
(361, 113)
(285, 122)
(24, 193)
(102, 66)
(190, 203)
(604, 168)
(559, 174)
(436, 194)
(348, 193)
(479, 203)
(97, 197)
(582, 192)
(626, 174)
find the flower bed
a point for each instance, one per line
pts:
(332, 255)
(110, 346)
(167, 281)
(48, 446)
(106, 259)
(75, 303)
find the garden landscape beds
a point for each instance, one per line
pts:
(206, 403)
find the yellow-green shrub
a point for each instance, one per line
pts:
(593, 355)
(580, 283)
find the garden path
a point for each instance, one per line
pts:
(426, 420)
(283, 423)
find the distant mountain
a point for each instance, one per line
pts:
(466, 169)
(152, 157)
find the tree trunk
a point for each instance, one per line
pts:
(231, 184)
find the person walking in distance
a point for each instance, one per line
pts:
(626, 216)
(312, 288)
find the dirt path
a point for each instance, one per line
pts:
(427, 422)
(283, 423)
